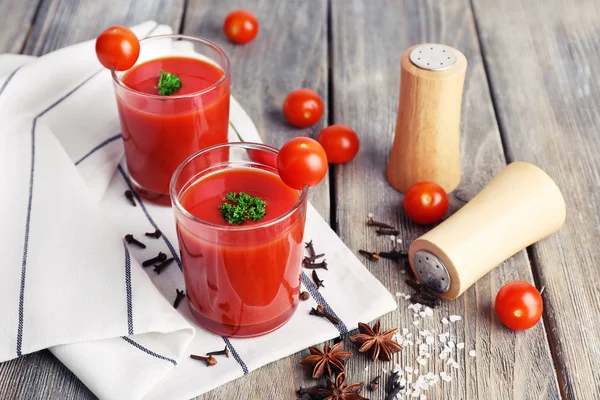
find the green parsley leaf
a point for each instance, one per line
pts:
(244, 207)
(168, 83)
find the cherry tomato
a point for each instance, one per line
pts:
(340, 142)
(117, 47)
(303, 108)
(519, 305)
(302, 162)
(240, 26)
(425, 203)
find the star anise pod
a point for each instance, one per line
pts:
(340, 390)
(379, 345)
(327, 360)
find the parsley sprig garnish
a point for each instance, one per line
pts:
(168, 83)
(240, 206)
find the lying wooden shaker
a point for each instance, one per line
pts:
(426, 145)
(520, 206)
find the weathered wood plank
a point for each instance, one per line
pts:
(61, 23)
(368, 40)
(543, 58)
(289, 52)
(16, 18)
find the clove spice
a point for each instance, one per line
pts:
(210, 360)
(160, 267)
(372, 222)
(159, 258)
(310, 248)
(393, 387)
(304, 296)
(321, 311)
(316, 279)
(180, 296)
(422, 296)
(370, 255)
(303, 391)
(388, 232)
(312, 258)
(156, 234)
(130, 197)
(224, 352)
(131, 240)
(394, 255)
(321, 265)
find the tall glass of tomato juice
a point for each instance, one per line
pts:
(241, 280)
(159, 132)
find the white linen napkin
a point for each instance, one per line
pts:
(70, 284)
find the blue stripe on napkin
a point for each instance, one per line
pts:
(98, 147)
(10, 76)
(314, 292)
(128, 290)
(147, 351)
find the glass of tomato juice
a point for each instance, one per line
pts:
(241, 280)
(160, 131)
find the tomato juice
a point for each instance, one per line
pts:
(241, 280)
(160, 132)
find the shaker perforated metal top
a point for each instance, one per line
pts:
(431, 271)
(433, 57)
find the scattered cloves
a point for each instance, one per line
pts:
(413, 284)
(159, 258)
(129, 195)
(418, 298)
(180, 296)
(310, 265)
(374, 385)
(372, 222)
(388, 232)
(316, 279)
(302, 391)
(224, 352)
(322, 312)
(312, 258)
(370, 255)
(131, 240)
(160, 267)
(156, 234)
(304, 296)
(394, 255)
(311, 249)
(394, 392)
(338, 339)
(210, 360)
(392, 381)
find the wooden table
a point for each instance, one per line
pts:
(532, 93)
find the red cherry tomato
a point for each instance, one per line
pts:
(340, 142)
(303, 108)
(302, 162)
(519, 305)
(117, 47)
(425, 203)
(240, 26)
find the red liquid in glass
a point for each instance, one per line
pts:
(159, 133)
(242, 283)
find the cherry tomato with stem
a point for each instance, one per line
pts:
(303, 108)
(340, 142)
(519, 305)
(117, 47)
(302, 162)
(425, 203)
(240, 26)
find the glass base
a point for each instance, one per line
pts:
(243, 331)
(162, 199)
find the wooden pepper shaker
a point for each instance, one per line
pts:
(520, 206)
(426, 144)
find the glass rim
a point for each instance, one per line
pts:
(226, 71)
(247, 145)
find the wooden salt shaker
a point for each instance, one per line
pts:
(426, 144)
(520, 206)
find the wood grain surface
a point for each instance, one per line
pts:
(543, 59)
(534, 95)
(508, 365)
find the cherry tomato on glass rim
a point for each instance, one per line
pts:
(303, 108)
(340, 142)
(240, 26)
(519, 305)
(117, 47)
(302, 162)
(425, 203)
